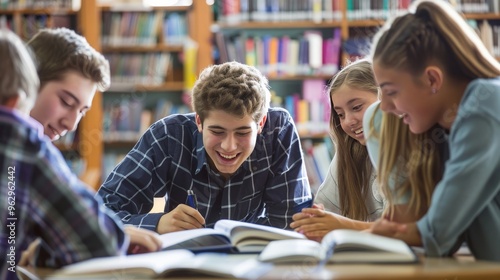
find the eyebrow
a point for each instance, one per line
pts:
(385, 84)
(348, 103)
(78, 102)
(220, 127)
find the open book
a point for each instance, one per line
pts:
(341, 246)
(164, 264)
(227, 236)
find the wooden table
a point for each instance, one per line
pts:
(429, 268)
(457, 268)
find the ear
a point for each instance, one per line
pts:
(11, 102)
(262, 122)
(198, 123)
(433, 78)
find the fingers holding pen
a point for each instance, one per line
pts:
(181, 218)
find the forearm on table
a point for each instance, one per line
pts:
(348, 223)
(411, 236)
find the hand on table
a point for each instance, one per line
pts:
(28, 255)
(142, 240)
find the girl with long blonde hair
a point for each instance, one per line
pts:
(433, 70)
(349, 197)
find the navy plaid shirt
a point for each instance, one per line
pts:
(269, 187)
(40, 197)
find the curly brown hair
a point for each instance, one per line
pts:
(235, 88)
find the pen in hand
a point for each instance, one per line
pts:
(191, 199)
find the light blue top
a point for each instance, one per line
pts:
(373, 145)
(465, 204)
(467, 199)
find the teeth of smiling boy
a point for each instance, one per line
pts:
(228, 156)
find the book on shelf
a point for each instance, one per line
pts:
(164, 264)
(131, 28)
(130, 69)
(126, 119)
(40, 4)
(175, 29)
(315, 93)
(306, 52)
(237, 11)
(190, 53)
(315, 41)
(483, 6)
(227, 236)
(340, 246)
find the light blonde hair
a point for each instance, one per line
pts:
(18, 76)
(412, 162)
(431, 32)
(354, 166)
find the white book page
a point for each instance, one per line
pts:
(240, 230)
(173, 238)
(291, 250)
(157, 261)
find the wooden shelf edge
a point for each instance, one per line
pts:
(167, 86)
(366, 23)
(141, 8)
(278, 24)
(300, 77)
(156, 48)
(479, 16)
(40, 11)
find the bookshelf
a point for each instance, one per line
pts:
(357, 21)
(89, 131)
(148, 49)
(25, 21)
(25, 18)
(87, 19)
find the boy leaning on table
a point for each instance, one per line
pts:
(242, 160)
(41, 201)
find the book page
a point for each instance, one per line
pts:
(358, 246)
(194, 238)
(241, 266)
(240, 231)
(345, 246)
(149, 264)
(291, 250)
(349, 240)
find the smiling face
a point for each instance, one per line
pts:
(408, 97)
(350, 105)
(229, 140)
(61, 104)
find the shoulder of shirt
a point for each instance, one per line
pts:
(476, 85)
(481, 91)
(29, 133)
(278, 116)
(372, 112)
(181, 120)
